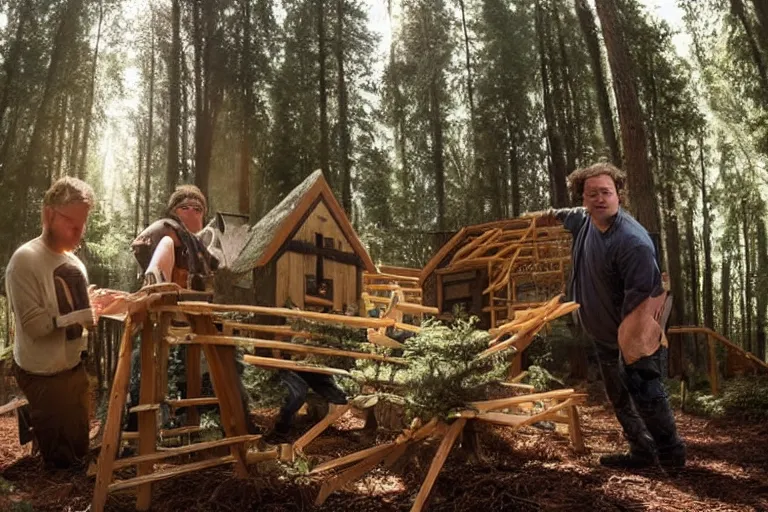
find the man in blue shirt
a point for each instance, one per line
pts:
(614, 271)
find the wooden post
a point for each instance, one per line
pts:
(437, 463)
(147, 418)
(221, 362)
(194, 381)
(712, 356)
(439, 278)
(111, 439)
(491, 302)
(574, 429)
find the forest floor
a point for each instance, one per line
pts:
(532, 469)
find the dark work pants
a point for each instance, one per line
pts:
(640, 400)
(59, 410)
(298, 384)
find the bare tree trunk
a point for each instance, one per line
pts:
(725, 294)
(63, 43)
(559, 197)
(674, 253)
(140, 161)
(709, 304)
(762, 287)
(748, 340)
(640, 180)
(344, 138)
(436, 124)
(11, 64)
(62, 128)
(174, 96)
(150, 124)
(184, 120)
(567, 106)
(693, 267)
(589, 29)
(244, 196)
(323, 93)
(737, 9)
(74, 143)
(89, 103)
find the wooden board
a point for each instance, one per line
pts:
(282, 364)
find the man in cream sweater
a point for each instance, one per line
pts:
(47, 286)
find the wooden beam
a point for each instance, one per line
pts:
(349, 459)
(221, 362)
(184, 450)
(205, 308)
(111, 438)
(302, 247)
(290, 347)
(437, 463)
(282, 364)
(192, 402)
(120, 485)
(336, 412)
(367, 276)
(503, 403)
(13, 405)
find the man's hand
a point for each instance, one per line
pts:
(102, 299)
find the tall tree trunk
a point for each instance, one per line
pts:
(11, 63)
(150, 123)
(514, 171)
(725, 294)
(737, 9)
(89, 102)
(341, 90)
(436, 125)
(207, 96)
(747, 311)
(140, 160)
(323, 93)
(184, 119)
(674, 253)
(74, 143)
(589, 29)
(693, 267)
(174, 97)
(640, 180)
(709, 303)
(762, 287)
(761, 12)
(244, 196)
(567, 107)
(62, 130)
(559, 197)
(63, 43)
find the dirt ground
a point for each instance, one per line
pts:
(532, 469)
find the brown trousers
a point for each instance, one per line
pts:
(58, 413)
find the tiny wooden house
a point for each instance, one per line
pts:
(496, 268)
(304, 252)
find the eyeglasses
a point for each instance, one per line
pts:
(594, 194)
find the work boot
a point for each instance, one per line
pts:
(674, 458)
(627, 460)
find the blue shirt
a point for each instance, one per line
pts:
(613, 272)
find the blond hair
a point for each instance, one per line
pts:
(68, 190)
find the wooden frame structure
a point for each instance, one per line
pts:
(737, 360)
(499, 267)
(149, 312)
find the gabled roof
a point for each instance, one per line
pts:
(468, 233)
(277, 226)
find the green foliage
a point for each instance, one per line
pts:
(743, 397)
(6, 487)
(443, 373)
(541, 379)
